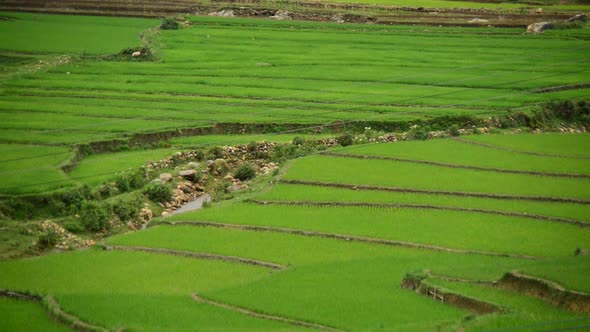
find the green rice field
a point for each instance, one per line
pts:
(347, 282)
(330, 240)
(261, 71)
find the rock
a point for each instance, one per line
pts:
(223, 13)
(337, 18)
(281, 15)
(193, 165)
(577, 18)
(146, 214)
(190, 174)
(263, 64)
(477, 20)
(233, 188)
(165, 177)
(539, 27)
(539, 10)
(165, 214)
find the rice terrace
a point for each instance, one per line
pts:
(337, 165)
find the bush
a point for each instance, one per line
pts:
(107, 190)
(48, 238)
(170, 23)
(245, 172)
(158, 192)
(73, 227)
(298, 140)
(122, 183)
(128, 208)
(454, 130)
(215, 152)
(345, 140)
(94, 216)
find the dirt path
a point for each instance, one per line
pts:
(470, 167)
(501, 148)
(438, 192)
(256, 314)
(199, 255)
(345, 238)
(424, 206)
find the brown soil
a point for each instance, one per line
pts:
(546, 290)
(480, 307)
(264, 316)
(343, 238)
(437, 192)
(199, 255)
(424, 206)
(477, 168)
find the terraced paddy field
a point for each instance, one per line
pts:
(288, 77)
(476, 232)
(339, 250)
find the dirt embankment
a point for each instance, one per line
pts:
(300, 10)
(546, 290)
(417, 284)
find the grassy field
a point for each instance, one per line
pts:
(341, 278)
(454, 210)
(263, 71)
(20, 315)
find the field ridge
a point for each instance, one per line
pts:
(437, 192)
(580, 223)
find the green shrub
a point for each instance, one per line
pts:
(245, 172)
(106, 190)
(420, 133)
(127, 208)
(94, 216)
(454, 130)
(122, 183)
(298, 140)
(170, 23)
(215, 152)
(48, 238)
(346, 139)
(158, 192)
(252, 146)
(136, 179)
(73, 226)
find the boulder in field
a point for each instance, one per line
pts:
(539, 27)
(165, 177)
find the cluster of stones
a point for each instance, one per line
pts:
(145, 216)
(65, 239)
(188, 187)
